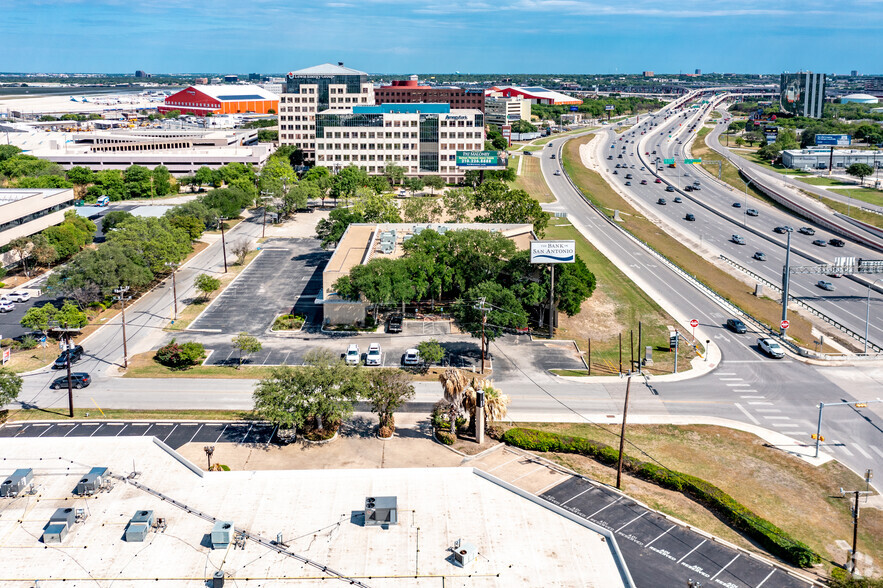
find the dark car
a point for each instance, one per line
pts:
(615, 173)
(690, 217)
(628, 176)
(688, 188)
(76, 353)
(836, 243)
(669, 189)
(628, 183)
(661, 201)
(78, 380)
(736, 326)
(737, 205)
(394, 324)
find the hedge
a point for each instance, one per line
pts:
(772, 538)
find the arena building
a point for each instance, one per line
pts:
(224, 99)
(535, 95)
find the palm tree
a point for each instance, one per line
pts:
(461, 392)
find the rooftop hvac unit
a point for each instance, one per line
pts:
(387, 248)
(381, 510)
(406, 237)
(418, 229)
(222, 534)
(17, 483)
(139, 525)
(91, 482)
(442, 229)
(464, 553)
(54, 533)
(64, 516)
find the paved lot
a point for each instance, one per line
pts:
(172, 434)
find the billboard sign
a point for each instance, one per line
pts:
(574, 108)
(608, 107)
(836, 140)
(480, 159)
(552, 251)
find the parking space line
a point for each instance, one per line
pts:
(246, 434)
(221, 434)
(577, 495)
(632, 521)
(541, 467)
(504, 464)
(541, 492)
(692, 550)
(121, 430)
(147, 429)
(98, 428)
(170, 432)
(762, 582)
(197, 432)
(49, 428)
(725, 567)
(604, 507)
(285, 359)
(70, 430)
(660, 535)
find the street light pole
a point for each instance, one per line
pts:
(174, 287)
(265, 195)
(868, 313)
(221, 220)
(786, 275)
(121, 291)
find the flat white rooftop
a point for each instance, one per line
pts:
(318, 513)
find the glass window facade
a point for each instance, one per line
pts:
(35, 215)
(324, 121)
(428, 143)
(353, 85)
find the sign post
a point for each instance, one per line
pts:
(608, 109)
(785, 325)
(694, 323)
(552, 252)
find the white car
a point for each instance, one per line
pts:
(353, 355)
(771, 348)
(412, 357)
(20, 296)
(375, 355)
(6, 306)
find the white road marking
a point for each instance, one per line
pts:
(731, 379)
(843, 448)
(762, 403)
(725, 567)
(748, 414)
(737, 385)
(631, 521)
(761, 396)
(692, 550)
(576, 496)
(784, 418)
(762, 582)
(877, 451)
(863, 452)
(660, 535)
(782, 425)
(605, 507)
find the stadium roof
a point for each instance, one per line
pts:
(327, 69)
(232, 93)
(537, 93)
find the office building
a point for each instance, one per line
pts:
(315, 89)
(535, 95)
(819, 158)
(803, 94)
(24, 212)
(648, 74)
(698, 72)
(203, 100)
(410, 91)
(854, 73)
(505, 111)
(422, 138)
(230, 79)
(141, 74)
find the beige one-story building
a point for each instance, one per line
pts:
(24, 212)
(362, 242)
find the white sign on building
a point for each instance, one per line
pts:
(552, 251)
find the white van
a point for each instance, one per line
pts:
(103, 201)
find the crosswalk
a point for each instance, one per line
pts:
(762, 412)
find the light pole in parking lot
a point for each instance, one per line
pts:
(868, 314)
(265, 196)
(786, 275)
(221, 220)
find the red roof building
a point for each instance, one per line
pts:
(411, 92)
(221, 99)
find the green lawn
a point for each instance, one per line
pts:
(531, 180)
(817, 181)
(93, 414)
(869, 195)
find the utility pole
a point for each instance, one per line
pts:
(174, 287)
(640, 349)
(850, 562)
(484, 310)
(677, 344)
(265, 195)
(625, 411)
(221, 220)
(620, 353)
(120, 292)
(589, 363)
(552, 304)
(786, 281)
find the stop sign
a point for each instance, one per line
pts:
(694, 323)
(785, 324)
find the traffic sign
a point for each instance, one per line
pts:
(785, 324)
(694, 323)
(668, 161)
(692, 161)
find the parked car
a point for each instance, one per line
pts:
(770, 347)
(825, 285)
(820, 243)
(20, 296)
(411, 357)
(759, 256)
(737, 326)
(394, 324)
(6, 306)
(353, 355)
(375, 355)
(806, 231)
(78, 380)
(738, 239)
(690, 217)
(836, 242)
(751, 212)
(75, 353)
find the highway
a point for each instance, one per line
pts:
(717, 219)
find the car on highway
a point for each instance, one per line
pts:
(751, 212)
(643, 182)
(678, 200)
(608, 157)
(20, 296)
(690, 216)
(353, 355)
(78, 380)
(697, 186)
(615, 173)
(688, 188)
(738, 239)
(552, 156)
(618, 166)
(783, 229)
(657, 181)
(820, 243)
(737, 326)
(374, 355)
(759, 256)
(619, 156)
(628, 183)
(661, 201)
(737, 205)
(770, 347)
(806, 231)
(825, 285)
(628, 176)
(394, 323)
(411, 357)
(669, 189)
(557, 172)
(836, 242)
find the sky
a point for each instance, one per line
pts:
(442, 36)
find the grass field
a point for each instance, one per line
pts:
(531, 180)
(777, 167)
(853, 211)
(601, 194)
(801, 499)
(817, 181)
(869, 195)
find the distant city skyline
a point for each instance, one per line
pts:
(444, 36)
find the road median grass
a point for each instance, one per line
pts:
(869, 195)
(597, 191)
(752, 494)
(531, 179)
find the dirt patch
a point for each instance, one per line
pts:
(596, 318)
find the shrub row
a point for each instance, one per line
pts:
(772, 538)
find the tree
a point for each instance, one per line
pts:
(501, 204)
(43, 183)
(38, 318)
(740, 141)
(277, 177)
(434, 183)
(770, 151)
(500, 143)
(752, 138)
(376, 208)
(114, 218)
(154, 241)
(10, 384)
(43, 318)
(394, 173)
(321, 176)
(522, 126)
(180, 355)
(379, 184)
(207, 284)
(414, 184)
(161, 180)
(431, 351)
(189, 224)
(241, 249)
(203, 176)
(246, 344)
(71, 235)
(42, 252)
(230, 201)
(860, 171)
(318, 395)
(138, 182)
(108, 183)
(505, 311)
(299, 196)
(98, 272)
(422, 210)
(458, 202)
(331, 230)
(387, 390)
(7, 151)
(21, 247)
(347, 181)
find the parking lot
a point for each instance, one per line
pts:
(172, 434)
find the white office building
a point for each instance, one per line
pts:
(505, 111)
(422, 138)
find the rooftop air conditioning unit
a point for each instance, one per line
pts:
(464, 553)
(381, 510)
(222, 534)
(17, 483)
(91, 482)
(139, 525)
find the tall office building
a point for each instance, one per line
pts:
(803, 94)
(312, 90)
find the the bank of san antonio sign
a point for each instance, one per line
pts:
(552, 251)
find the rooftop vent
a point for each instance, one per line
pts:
(222, 534)
(464, 553)
(381, 510)
(54, 533)
(139, 525)
(17, 483)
